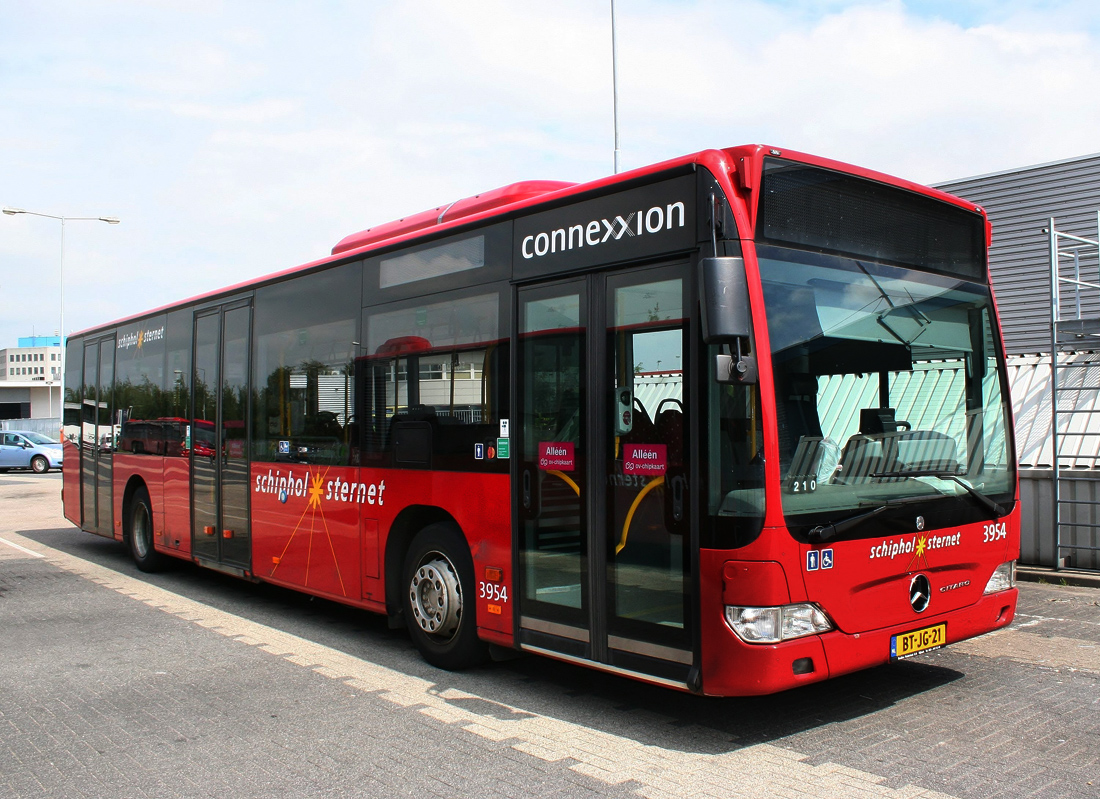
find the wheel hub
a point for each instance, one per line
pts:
(140, 531)
(436, 596)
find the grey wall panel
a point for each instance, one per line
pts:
(1020, 203)
(1036, 531)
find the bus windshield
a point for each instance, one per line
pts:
(888, 388)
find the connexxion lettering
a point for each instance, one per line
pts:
(598, 231)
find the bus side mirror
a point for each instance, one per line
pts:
(724, 299)
(727, 321)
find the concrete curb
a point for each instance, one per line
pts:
(1045, 574)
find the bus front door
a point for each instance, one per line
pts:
(601, 488)
(220, 533)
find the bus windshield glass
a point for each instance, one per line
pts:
(889, 389)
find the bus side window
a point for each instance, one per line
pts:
(435, 386)
(303, 382)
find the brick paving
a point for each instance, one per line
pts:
(191, 684)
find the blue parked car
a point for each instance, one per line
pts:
(22, 449)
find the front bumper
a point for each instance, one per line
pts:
(734, 668)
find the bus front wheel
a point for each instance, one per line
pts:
(141, 534)
(439, 598)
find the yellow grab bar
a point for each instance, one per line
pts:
(633, 507)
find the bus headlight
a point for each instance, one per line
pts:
(772, 625)
(1004, 577)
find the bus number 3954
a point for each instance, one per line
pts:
(493, 591)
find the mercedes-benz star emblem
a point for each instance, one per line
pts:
(920, 592)
(920, 523)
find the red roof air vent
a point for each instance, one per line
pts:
(404, 345)
(487, 200)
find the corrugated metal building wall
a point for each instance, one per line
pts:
(1020, 203)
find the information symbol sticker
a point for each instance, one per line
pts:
(479, 452)
(813, 561)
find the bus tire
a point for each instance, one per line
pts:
(141, 534)
(438, 598)
(39, 464)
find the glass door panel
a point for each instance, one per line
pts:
(647, 504)
(204, 438)
(236, 547)
(106, 436)
(552, 473)
(98, 436)
(88, 440)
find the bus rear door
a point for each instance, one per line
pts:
(219, 438)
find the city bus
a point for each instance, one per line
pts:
(732, 423)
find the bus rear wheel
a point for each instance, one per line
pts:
(439, 599)
(141, 534)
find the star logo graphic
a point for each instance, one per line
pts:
(919, 555)
(313, 515)
(315, 492)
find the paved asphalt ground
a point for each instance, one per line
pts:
(187, 683)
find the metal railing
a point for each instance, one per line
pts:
(1066, 245)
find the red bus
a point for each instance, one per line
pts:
(732, 423)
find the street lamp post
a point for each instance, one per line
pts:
(110, 220)
(615, 86)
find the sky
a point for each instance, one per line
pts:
(236, 139)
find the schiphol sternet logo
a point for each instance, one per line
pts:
(317, 487)
(139, 338)
(599, 231)
(917, 547)
(317, 490)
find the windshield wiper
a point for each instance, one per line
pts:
(982, 499)
(827, 532)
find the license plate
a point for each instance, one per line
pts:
(923, 640)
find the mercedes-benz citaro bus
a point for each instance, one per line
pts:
(731, 423)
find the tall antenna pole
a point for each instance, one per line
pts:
(615, 85)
